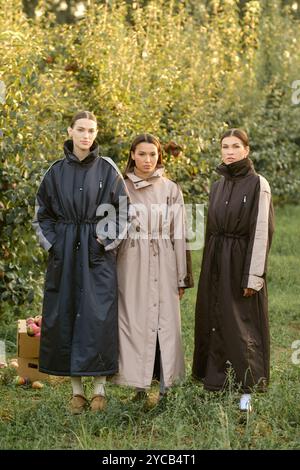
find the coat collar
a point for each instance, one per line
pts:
(236, 170)
(139, 183)
(71, 158)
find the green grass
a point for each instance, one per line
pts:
(190, 418)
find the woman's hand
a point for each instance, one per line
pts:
(249, 292)
(181, 292)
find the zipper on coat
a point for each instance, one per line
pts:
(227, 204)
(242, 208)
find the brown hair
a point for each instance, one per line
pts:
(239, 133)
(83, 115)
(139, 139)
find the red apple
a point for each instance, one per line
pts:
(36, 329)
(38, 320)
(33, 329)
(30, 330)
(22, 380)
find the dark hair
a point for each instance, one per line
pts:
(239, 133)
(139, 139)
(83, 115)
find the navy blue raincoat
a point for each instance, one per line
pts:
(78, 202)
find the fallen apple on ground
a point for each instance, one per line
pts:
(21, 380)
(14, 363)
(37, 385)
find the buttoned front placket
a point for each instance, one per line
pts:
(154, 273)
(79, 202)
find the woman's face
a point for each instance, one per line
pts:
(233, 150)
(145, 157)
(83, 133)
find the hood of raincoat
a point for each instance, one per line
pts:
(237, 169)
(71, 157)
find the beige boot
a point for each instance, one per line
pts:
(98, 403)
(78, 404)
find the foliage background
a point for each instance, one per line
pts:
(185, 71)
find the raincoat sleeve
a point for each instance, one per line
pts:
(112, 228)
(44, 219)
(260, 237)
(183, 256)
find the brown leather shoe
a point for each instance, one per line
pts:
(78, 404)
(152, 401)
(98, 403)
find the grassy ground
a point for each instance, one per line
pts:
(190, 418)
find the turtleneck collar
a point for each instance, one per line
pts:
(68, 149)
(236, 170)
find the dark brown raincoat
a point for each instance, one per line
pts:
(232, 330)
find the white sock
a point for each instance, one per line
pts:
(77, 386)
(99, 385)
(245, 401)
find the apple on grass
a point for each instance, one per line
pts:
(22, 380)
(37, 385)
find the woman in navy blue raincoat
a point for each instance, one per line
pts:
(80, 218)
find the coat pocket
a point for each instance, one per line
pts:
(54, 270)
(96, 252)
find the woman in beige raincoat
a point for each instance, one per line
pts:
(152, 273)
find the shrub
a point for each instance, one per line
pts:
(155, 68)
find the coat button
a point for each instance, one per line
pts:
(138, 228)
(80, 189)
(154, 305)
(213, 329)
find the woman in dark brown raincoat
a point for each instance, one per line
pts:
(231, 320)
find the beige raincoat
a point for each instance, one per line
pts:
(151, 266)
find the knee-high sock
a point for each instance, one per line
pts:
(99, 385)
(77, 386)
